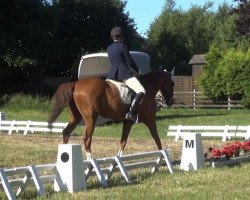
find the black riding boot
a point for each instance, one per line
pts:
(131, 115)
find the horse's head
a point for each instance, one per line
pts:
(167, 89)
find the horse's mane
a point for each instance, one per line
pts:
(152, 78)
(150, 75)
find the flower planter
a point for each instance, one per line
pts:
(221, 162)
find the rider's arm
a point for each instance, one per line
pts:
(129, 60)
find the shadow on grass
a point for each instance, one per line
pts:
(119, 181)
(107, 122)
(92, 183)
(167, 117)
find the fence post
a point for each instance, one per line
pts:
(228, 103)
(2, 116)
(194, 103)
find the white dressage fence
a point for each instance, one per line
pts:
(15, 180)
(226, 132)
(25, 127)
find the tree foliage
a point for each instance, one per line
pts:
(176, 35)
(226, 73)
(243, 22)
(41, 38)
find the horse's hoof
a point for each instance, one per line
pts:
(88, 156)
(120, 152)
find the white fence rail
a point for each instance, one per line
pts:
(15, 180)
(25, 127)
(226, 132)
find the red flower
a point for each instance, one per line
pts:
(216, 153)
(232, 149)
(246, 145)
(238, 144)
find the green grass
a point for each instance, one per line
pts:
(208, 183)
(19, 102)
(164, 118)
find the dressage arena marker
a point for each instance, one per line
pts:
(18, 178)
(69, 175)
(192, 157)
(2, 116)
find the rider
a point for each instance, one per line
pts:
(123, 68)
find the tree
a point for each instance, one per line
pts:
(22, 34)
(84, 27)
(206, 80)
(226, 73)
(41, 38)
(243, 22)
(227, 70)
(176, 35)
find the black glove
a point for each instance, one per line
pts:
(134, 72)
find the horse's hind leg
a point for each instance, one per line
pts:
(87, 139)
(125, 132)
(75, 118)
(68, 129)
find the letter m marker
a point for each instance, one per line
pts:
(189, 144)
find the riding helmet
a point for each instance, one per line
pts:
(116, 31)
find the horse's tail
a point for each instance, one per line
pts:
(62, 98)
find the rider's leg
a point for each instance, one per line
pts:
(135, 85)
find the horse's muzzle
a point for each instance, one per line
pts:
(170, 102)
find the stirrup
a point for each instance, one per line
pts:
(131, 117)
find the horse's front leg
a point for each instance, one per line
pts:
(125, 132)
(151, 124)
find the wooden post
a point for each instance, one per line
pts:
(228, 103)
(194, 103)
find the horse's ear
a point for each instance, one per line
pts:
(172, 72)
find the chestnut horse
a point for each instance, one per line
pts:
(92, 97)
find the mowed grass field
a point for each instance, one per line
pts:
(208, 183)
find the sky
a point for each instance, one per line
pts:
(145, 11)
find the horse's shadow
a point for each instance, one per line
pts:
(162, 117)
(177, 116)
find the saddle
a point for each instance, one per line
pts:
(126, 94)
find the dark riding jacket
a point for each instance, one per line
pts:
(122, 65)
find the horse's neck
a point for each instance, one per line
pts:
(151, 90)
(152, 84)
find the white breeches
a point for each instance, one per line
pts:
(135, 85)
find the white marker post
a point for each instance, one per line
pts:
(69, 169)
(192, 157)
(2, 116)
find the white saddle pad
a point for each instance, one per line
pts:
(125, 92)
